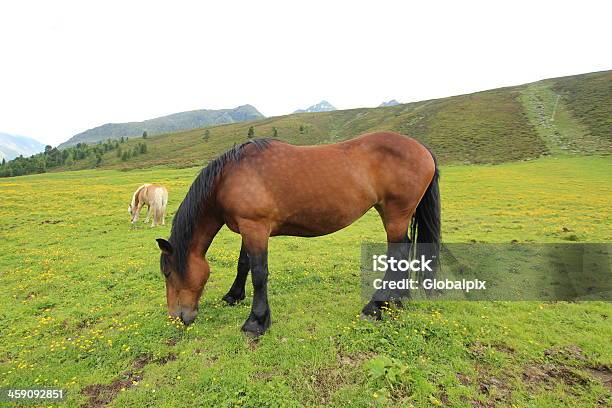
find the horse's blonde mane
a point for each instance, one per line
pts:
(136, 193)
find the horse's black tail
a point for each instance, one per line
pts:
(425, 229)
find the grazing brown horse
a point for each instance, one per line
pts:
(266, 188)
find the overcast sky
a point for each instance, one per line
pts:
(68, 66)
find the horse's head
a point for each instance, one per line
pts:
(133, 213)
(183, 290)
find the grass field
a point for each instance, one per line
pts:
(84, 303)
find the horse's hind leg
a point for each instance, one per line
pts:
(155, 217)
(398, 246)
(237, 291)
(148, 213)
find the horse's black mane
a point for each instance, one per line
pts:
(190, 210)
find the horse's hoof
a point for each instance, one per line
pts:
(371, 311)
(252, 334)
(253, 328)
(231, 299)
(367, 318)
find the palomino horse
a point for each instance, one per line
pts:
(153, 196)
(266, 188)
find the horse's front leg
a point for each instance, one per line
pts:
(259, 318)
(255, 238)
(237, 292)
(136, 213)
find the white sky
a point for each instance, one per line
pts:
(68, 66)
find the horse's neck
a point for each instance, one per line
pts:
(205, 233)
(141, 196)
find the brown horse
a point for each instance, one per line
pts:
(266, 188)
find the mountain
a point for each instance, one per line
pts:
(12, 146)
(166, 124)
(392, 102)
(322, 106)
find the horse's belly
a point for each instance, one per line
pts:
(318, 221)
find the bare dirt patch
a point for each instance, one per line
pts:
(267, 375)
(142, 361)
(167, 358)
(503, 348)
(572, 355)
(326, 381)
(566, 365)
(252, 342)
(567, 354)
(497, 389)
(52, 222)
(90, 321)
(101, 395)
(171, 342)
(477, 349)
(354, 360)
(603, 373)
(546, 375)
(463, 378)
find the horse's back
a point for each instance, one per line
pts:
(314, 190)
(160, 194)
(399, 164)
(154, 194)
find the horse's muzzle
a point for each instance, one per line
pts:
(188, 316)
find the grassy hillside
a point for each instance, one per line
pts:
(501, 125)
(87, 303)
(572, 114)
(589, 98)
(561, 116)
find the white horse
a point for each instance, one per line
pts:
(151, 195)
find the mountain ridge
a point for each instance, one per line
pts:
(392, 102)
(180, 121)
(322, 106)
(12, 146)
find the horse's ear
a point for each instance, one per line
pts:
(165, 246)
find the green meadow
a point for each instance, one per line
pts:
(83, 301)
